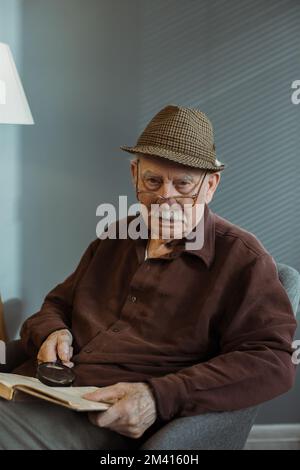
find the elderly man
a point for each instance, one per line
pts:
(165, 327)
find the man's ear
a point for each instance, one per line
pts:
(133, 170)
(213, 183)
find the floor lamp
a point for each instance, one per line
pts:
(14, 109)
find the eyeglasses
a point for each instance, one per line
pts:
(152, 197)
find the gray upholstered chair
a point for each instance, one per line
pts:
(211, 431)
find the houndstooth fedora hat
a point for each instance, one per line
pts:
(183, 135)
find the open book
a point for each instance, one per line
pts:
(70, 397)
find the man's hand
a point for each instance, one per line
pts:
(58, 345)
(132, 412)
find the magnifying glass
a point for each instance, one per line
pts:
(55, 374)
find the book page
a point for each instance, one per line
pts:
(13, 379)
(69, 395)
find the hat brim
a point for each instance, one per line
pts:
(203, 163)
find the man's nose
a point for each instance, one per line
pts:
(168, 191)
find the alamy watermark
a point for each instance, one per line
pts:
(295, 97)
(296, 353)
(157, 221)
(2, 352)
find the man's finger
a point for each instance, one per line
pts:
(64, 349)
(112, 393)
(69, 364)
(48, 352)
(107, 418)
(93, 416)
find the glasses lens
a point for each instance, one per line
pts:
(153, 185)
(148, 197)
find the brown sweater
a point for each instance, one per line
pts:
(208, 329)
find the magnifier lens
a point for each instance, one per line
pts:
(55, 374)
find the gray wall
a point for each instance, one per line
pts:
(79, 59)
(95, 72)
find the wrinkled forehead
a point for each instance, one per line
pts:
(161, 166)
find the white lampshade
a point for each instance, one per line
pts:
(14, 108)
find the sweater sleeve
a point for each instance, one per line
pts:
(254, 363)
(56, 310)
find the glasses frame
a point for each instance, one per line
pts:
(138, 192)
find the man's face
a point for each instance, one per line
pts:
(165, 189)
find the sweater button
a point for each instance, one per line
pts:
(88, 350)
(115, 330)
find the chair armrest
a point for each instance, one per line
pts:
(211, 431)
(15, 356)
